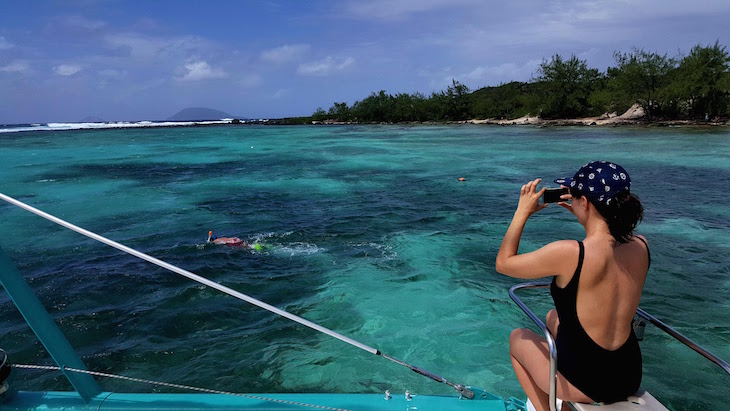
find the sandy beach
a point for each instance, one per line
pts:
(635, 115)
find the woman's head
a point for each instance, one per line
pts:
(607, 186)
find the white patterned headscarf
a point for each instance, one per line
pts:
(600, 181)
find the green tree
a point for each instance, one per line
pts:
(567, 85)
(319, 114)
(376, 107)
(339, 112)
(407, 107)
(702, 80)
(457, 104)
(642, 77)
(510, 100)
(437, 106)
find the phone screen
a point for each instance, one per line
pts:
(552, 195)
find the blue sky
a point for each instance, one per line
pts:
(146, 60)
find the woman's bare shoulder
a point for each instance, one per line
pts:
(640, 242)
(562, 248)
(564, 245)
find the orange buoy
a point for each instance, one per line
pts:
(462, 179)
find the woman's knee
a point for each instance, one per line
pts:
(515, 337)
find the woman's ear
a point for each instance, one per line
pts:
(587, 204)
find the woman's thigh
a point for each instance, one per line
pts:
(531, 350)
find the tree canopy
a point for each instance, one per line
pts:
(566, 86)
(695, 86)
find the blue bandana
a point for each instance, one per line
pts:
(599, 181)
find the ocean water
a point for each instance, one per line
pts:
(365, 230)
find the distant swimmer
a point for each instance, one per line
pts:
(233, 241)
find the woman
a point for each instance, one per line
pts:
(596, 289)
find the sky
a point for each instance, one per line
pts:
(65, 60)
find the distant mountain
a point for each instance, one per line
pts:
(199, 114)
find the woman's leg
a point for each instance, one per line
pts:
(522, 356)
(552, 321)
(530, 359)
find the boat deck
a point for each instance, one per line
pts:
(54, 400)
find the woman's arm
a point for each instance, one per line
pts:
(557, 258)
(546, 261)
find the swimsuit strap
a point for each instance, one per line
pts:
(576, 275)
(648, 253)
(581, 255)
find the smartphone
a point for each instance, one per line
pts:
(552, 195)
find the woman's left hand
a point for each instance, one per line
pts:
(530, 199)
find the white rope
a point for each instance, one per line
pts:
(189, 275)
(460, 388)
(170, 385)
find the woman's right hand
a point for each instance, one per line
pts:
(529, 202)
(566, 205)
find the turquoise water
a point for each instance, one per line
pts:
(365, 230)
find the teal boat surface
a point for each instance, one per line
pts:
(108, 401)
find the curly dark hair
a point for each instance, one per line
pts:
(623, 214)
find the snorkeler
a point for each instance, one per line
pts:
(233, 241)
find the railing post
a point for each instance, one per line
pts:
(552, 348)
(45, 328)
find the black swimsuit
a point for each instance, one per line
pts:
(601, 374)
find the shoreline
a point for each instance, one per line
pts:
(602, 121)
(538, 122)
(634, 116)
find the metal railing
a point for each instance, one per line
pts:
(639, 312)
(548, 336)
(684, 340)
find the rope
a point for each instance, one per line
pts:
(171, 385)
(464, 391)
(189, 275)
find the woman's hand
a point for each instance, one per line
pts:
(530, 199)
(564, 204)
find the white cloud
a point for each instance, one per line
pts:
(249, 80)
(285, 53)
(392, 10)
(83, 23)
(109, 77)
(4, 44)
(16, 66)
(481, 76)
(149, 48)
(324, 67)
(282, 92)
(112, 74)
(201, 70)
(67, 69)
(487, 74)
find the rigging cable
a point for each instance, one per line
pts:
(170, 385)
(461, 389)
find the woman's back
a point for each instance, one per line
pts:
(610, 287)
